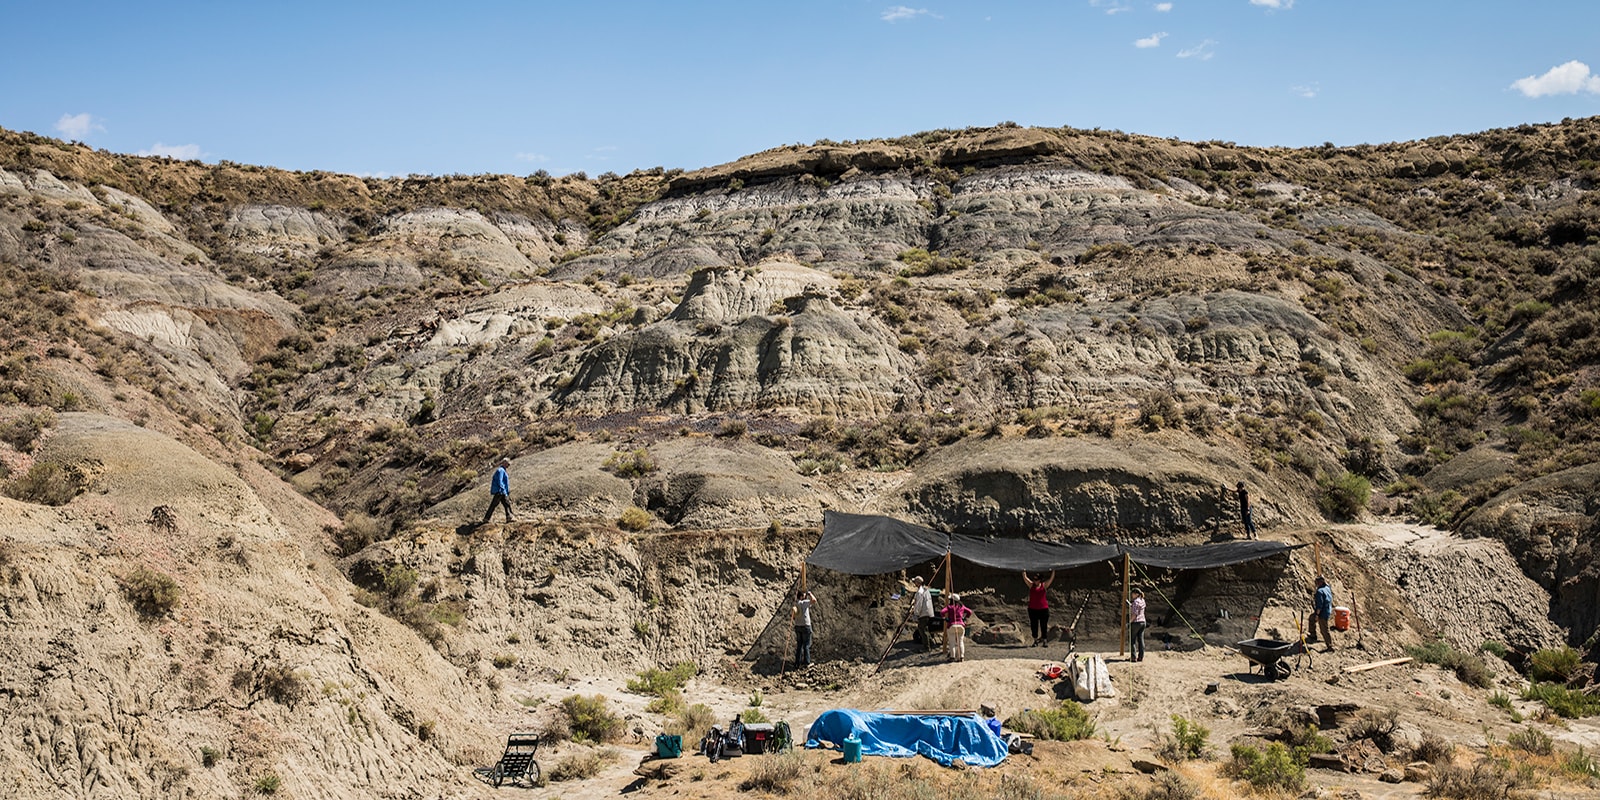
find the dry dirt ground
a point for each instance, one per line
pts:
(1132, 724)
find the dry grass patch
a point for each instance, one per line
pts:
(780, 774)
(582, 766)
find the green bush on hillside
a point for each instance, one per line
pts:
(658, 682)
(1065, 723)
(590, 719)
(151, 593)
(1346, 496)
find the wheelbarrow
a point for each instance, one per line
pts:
(1268, 653)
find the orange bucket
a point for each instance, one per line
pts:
(1341, 618)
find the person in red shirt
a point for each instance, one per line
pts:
(1039, 607)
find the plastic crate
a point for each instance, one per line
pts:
(757, 737)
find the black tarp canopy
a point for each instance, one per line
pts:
(868, 544)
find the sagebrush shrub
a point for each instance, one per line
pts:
(659, 682)
(1189, 740)
(1067, 722)
(1273, 768)
(1553, 664)
(151, 593)
(47, 483)
(591, 720)
(634, 518)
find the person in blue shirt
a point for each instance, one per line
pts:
(1321, 613)
(499, 491)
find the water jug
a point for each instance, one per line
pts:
(852, 749)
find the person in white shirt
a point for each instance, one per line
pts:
(922, 608)
(801, 615)
(1136, 625)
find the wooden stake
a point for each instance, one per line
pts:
(1127, 564)
(1316, 556)
(1356, 613)
(1374, 665)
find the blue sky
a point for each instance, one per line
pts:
(396, 88)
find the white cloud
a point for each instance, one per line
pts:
(182, 152)
(1569, 78)
(1203, 51)
(537, 158)
(1307, 91)
(1111, 6)
(1153, 40)
(77, 126)
(900, 13)
(1273, 3)
(1163, 7)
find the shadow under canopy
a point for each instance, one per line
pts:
(1205, 579)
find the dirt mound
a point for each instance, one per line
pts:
(206, 656)
(685, 483)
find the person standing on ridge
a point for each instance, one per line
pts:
(922, 608)
(1136, 626)
(1039, 607)
(499, 491)
(1244, 512)
(801, 614)
(1321, 613)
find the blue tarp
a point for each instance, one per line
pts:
(941, 738)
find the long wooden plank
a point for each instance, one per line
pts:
(1374, 665)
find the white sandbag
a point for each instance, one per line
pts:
(1102, 686)
(1090, 678)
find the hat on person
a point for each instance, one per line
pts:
(955, 598)
(505, 462)
(916, 579)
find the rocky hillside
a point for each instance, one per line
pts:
(1052, 332)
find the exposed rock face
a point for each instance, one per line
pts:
(1550, 526)
(1084, 485)
(273, 230)
(1464, 588)
(767, 340)
(863, 220)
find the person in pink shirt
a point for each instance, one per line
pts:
(1136, 626)
(955, 621)
(1039, 607)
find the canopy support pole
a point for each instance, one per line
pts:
(1127, 565)
(907, 618)
(947, 583)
